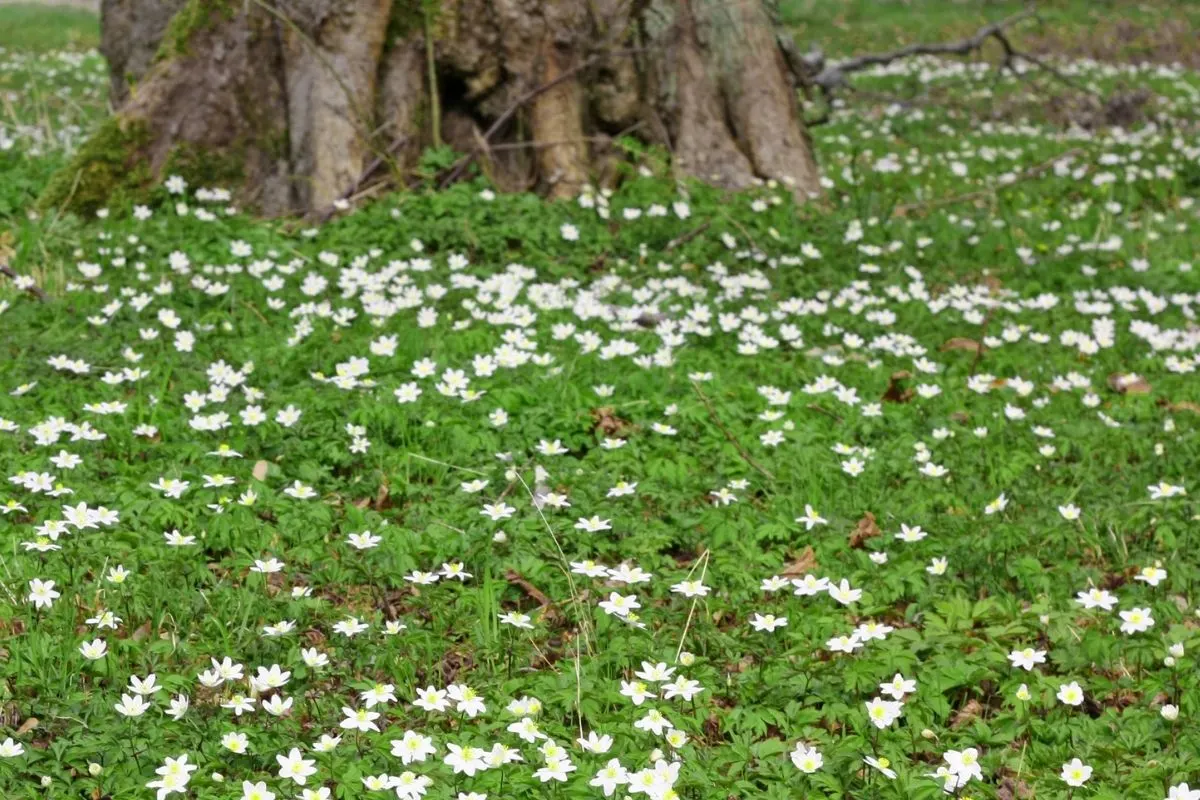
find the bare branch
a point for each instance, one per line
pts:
(833, 76)
(325, 214)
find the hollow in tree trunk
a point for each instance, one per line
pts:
(294, 104)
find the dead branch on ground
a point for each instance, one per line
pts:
(742, 451)
(32, 288)
(1033, 172)
(829, 77)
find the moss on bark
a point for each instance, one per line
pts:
(195, 16)
(407, 17)
(210, 168)
(109, 169)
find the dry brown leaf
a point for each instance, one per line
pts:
(966, 714)
(896, 391)
(260, 470)
(1128, 384)
(803, 564)
(607, 422)
(961, 343)
(865, 529)
(382, 496)
(741, 666)
(1013, 789)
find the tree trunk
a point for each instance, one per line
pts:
(295, 104)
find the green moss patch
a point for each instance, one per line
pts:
(110, 169)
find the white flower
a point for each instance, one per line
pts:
(1136, 620)
(807, 759)
(256, 791)
(235, 742)
(413, 747)
(295, 766)
(466, 760)
(94, 650)
(596, 744)
(964, 764)
(767, 622)
(610, 777)
(1076, 773)
(1151, 575)
(42, 593)
(883, 713)
(1070, 694)
(1027, 658)
(359, 720)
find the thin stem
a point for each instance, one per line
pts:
(435, 105)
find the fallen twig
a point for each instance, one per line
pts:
(255, 311)
(825, 411)
(742, 228)
(545, 604)
(32, 288)
(712, 414)
(687, 237)
(982, 334)
(1032, 172)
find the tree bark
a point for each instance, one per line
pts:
(130, 33)
(331, 61)
(299, 101)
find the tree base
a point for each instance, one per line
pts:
(286, 102)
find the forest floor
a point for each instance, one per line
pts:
(661, 491)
